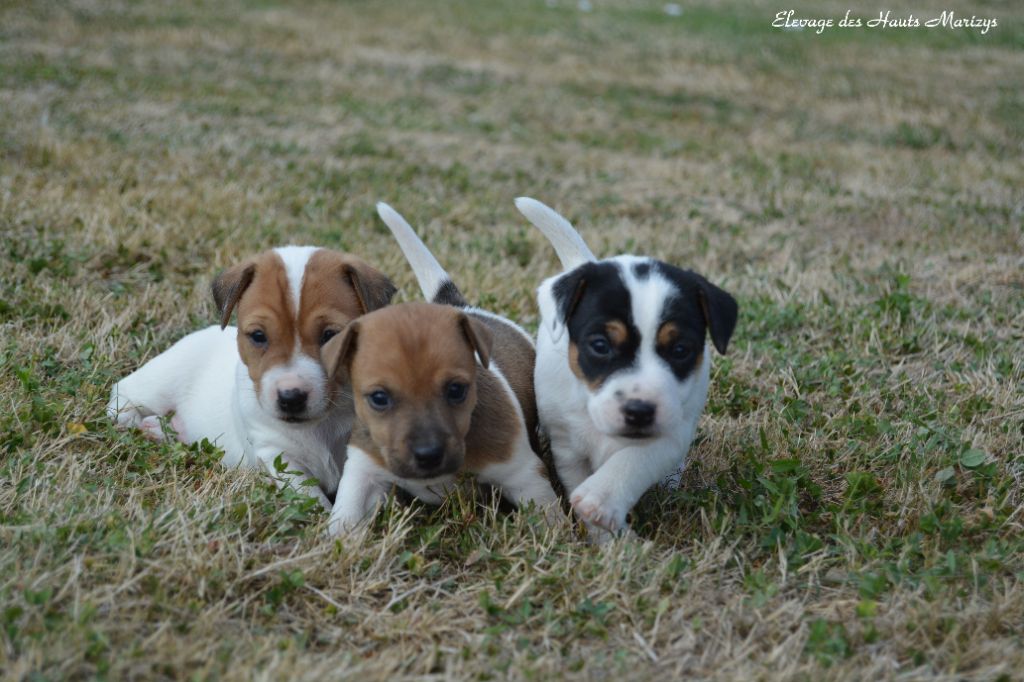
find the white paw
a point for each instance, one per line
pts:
(346, 518)
(178, 424)
(125, 416)
(596, 507)
(341, 525)
(159, 429)
(598, 536)
(152, 428)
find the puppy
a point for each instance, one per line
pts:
(259, 390)
(439, 389)
(622, 369)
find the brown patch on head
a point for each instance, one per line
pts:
(336, 288)
(617, 332)
(266, 307)
(412, 355)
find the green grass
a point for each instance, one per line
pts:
(853, 504)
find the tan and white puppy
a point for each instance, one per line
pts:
(439, 388)
(259, 390)
(622, 369)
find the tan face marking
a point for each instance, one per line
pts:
(574, 364)
(413, 352)
(617, 332)
(667, 334)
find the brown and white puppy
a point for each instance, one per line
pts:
(259, 390)
(439, 389)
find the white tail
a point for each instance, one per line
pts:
(429, 273)
(568, 243)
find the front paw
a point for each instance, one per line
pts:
(124, 416)
(596, 507)
(152, 429)
(338, 526)
(344, 521)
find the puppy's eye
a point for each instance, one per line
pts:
(680, 351)
(600, 346)
(379, 400)
(456, 392)
(258, 337)
(327, 335)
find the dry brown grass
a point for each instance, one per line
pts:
(860, 193)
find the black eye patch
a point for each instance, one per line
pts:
(699, 306)
(678, 343)
(599, 316)
(685, 321)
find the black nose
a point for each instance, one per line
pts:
(292, 400)
(428, 455)
(639, 413)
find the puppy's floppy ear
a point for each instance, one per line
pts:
(479, 337)
(229, 286)
(720, 313)
(373, 288)
(336, 354)
(568, 291)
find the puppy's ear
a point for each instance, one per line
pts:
(229, 286)
(373, 288)
(336, 354)
(479, 337)
(567, 292)
(720, 313)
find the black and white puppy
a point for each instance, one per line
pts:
(622, 369)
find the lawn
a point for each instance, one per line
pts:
(853, 506)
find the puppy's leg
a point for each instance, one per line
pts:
(604, 499)
(153, 389)
(523, 479)
(572, 469)
(140, 395)
(363, 486)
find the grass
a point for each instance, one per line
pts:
(853, 506)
